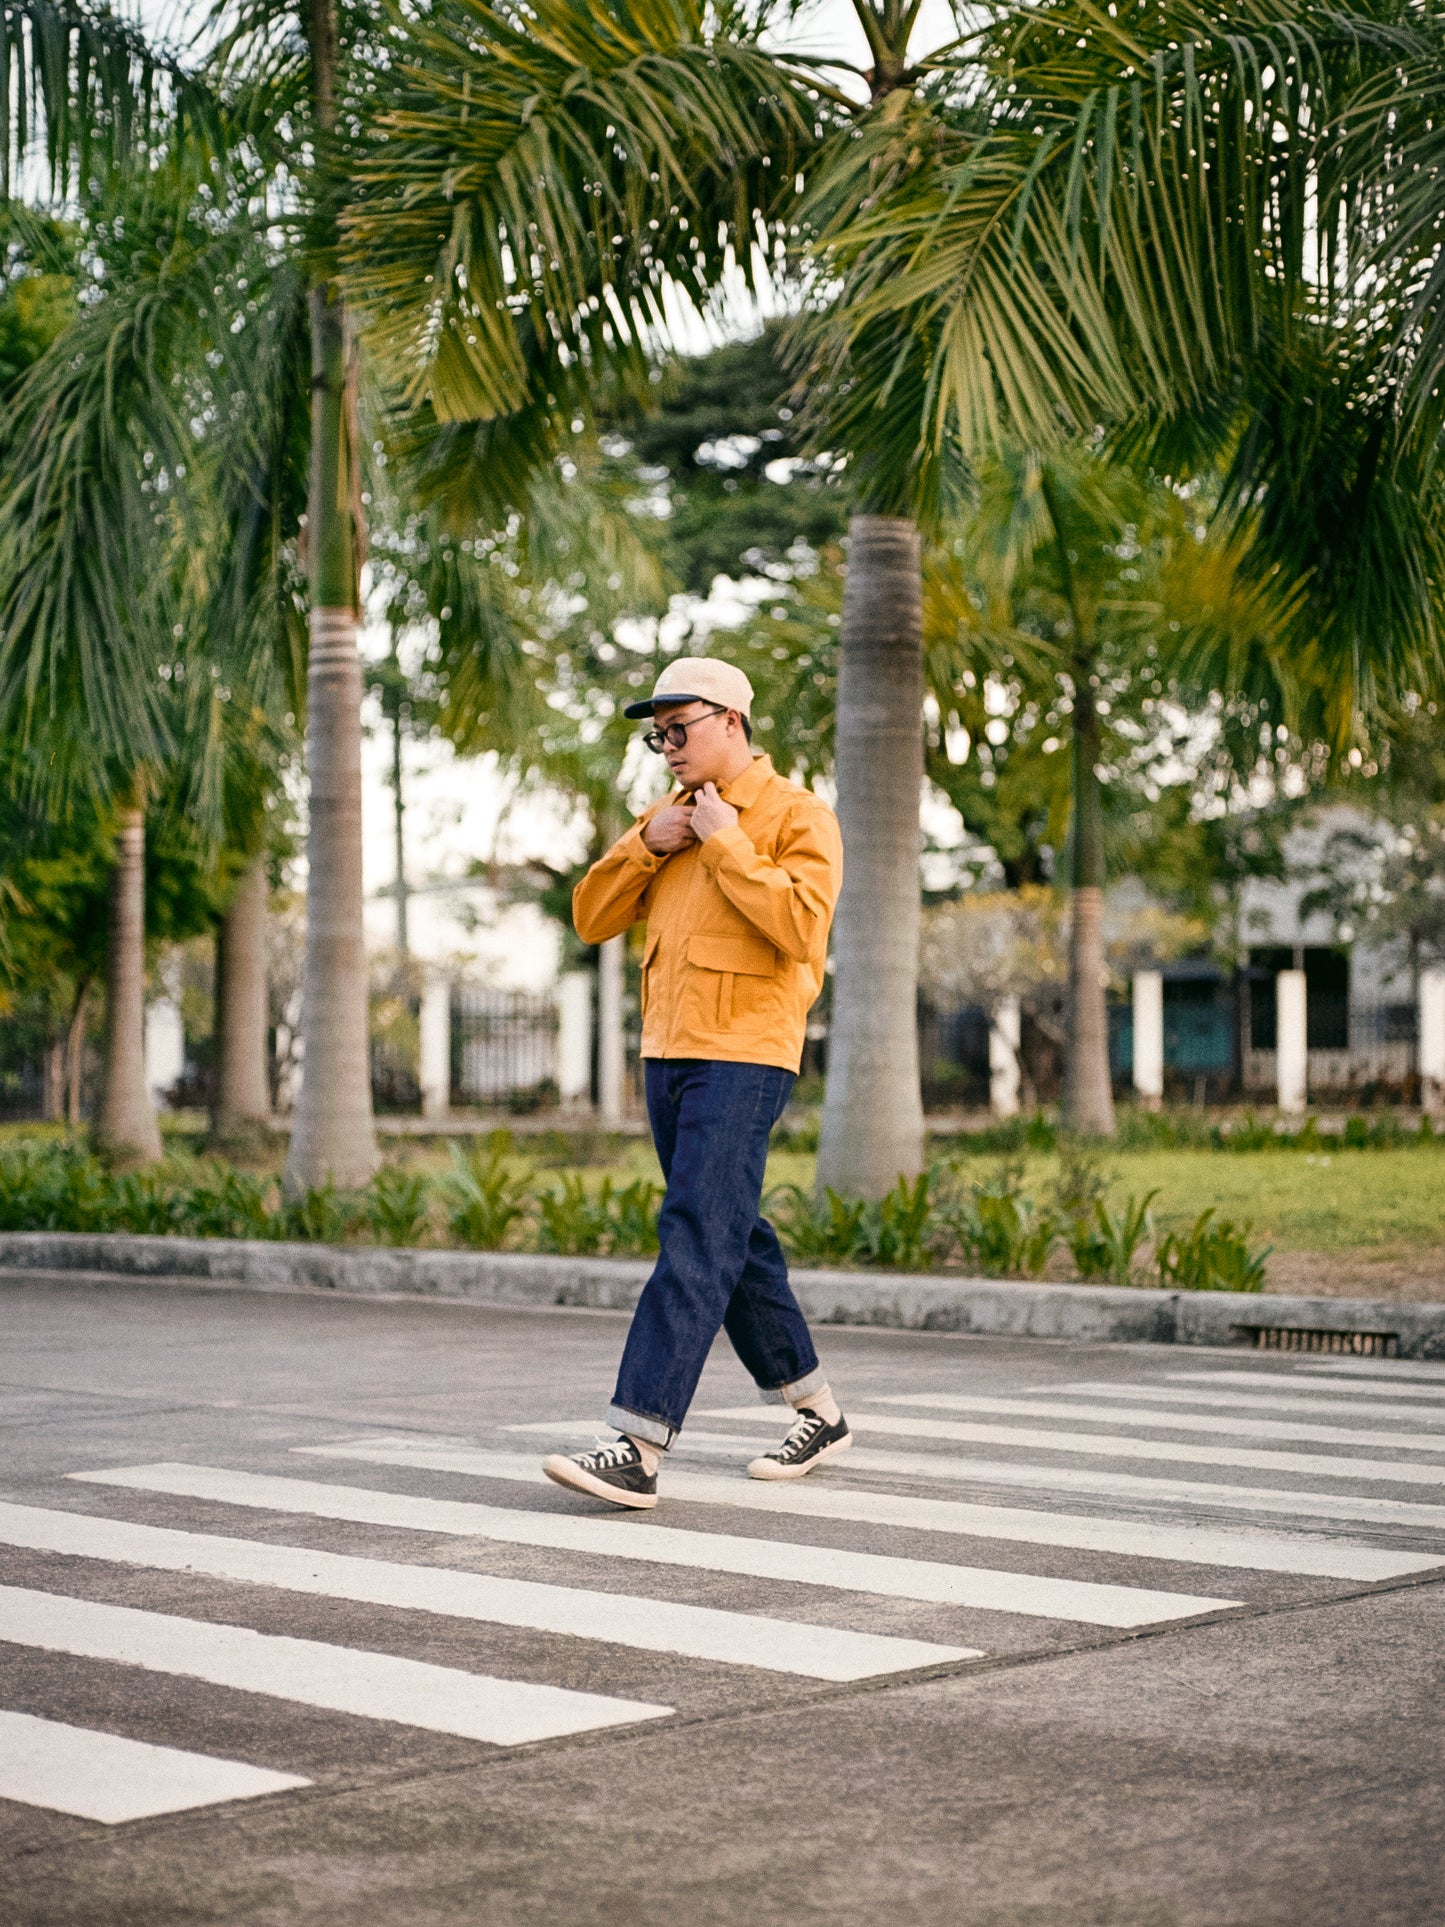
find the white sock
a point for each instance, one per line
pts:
(651, 1455)
(822, 1402)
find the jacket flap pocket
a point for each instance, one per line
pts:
(649, 947)
(745, 956)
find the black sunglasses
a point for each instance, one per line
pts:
(676, 733)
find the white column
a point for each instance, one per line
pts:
(436, 1047)
(1291, 1059)
(165, 1047)
(1432, 1039)
(611, 1064)
(574, 1037)
(1004, 1034)
(1149, 1036)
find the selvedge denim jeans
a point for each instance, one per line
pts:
(720, 1262)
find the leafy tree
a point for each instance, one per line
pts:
(198, 467)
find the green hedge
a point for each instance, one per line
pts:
(486, 1203)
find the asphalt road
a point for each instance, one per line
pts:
(291, 1631)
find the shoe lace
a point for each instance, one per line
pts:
(611, 1453)
(808, 1424)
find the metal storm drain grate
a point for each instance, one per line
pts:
(1305, 1338)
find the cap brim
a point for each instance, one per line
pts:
(649, 708)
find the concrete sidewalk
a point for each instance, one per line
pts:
(937, 1302)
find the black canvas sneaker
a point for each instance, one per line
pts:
(811, 1441)
(613, 1472)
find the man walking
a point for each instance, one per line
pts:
(736, 875)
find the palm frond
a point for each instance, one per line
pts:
(549, 172)
(91, 95)
(92, 511)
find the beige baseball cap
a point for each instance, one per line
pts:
(698, 679)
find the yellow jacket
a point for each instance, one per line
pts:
(737, 927)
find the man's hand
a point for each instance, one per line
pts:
(710, 813)
(670, 830)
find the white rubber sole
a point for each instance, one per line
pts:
(578, 1479)
(770, 1469)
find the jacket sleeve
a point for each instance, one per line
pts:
(789, 898)
(612, 895)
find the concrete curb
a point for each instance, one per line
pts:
(1097, 1314)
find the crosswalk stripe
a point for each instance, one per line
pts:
(1230, 1425)
(1322, 1388)
(1265, 1401)
(102, 1776)
(375, 1686)
(1247, 1551)
(1130, 1486)
(1373, 1368)
(1103, 1445)
(653, 1625)
(626, 1538)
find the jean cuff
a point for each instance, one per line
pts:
(652, 1431)
(795, 1393)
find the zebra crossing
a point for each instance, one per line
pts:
(438, 1591)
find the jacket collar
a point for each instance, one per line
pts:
(745, 790)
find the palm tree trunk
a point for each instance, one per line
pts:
(126, 1129)
(52, 1100)
(243, 1090)
(873, 1111)
(333, 1136)
(75, 1052)
(1088, 1094)
(398, 807)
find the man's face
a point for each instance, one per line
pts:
(711, 746)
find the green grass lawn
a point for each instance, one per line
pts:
(1336, 1202)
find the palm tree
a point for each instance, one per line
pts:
(1156, 225)
(263, 104)
(543, 178)
(92, 678)
(261, 120)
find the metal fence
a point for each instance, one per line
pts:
(504, 1045)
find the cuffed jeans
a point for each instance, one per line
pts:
(720, 1261)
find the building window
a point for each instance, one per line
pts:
(1327, 995)
(1327, 999)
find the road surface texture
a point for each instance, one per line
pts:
(292, 1631)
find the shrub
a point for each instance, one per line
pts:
(54, 1187)
(238, 1206)
(1211, 1257)
(999, 1231)
(1247, 1134)
(318, 1216)
(396, 1206)
(571, 1222)
(1141, 1130)
(826, 1231)
(896, 1230)
(142, 1203)
(632, 1219)
(1104, 1243)
(486, 1200)
(1004, 1236)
